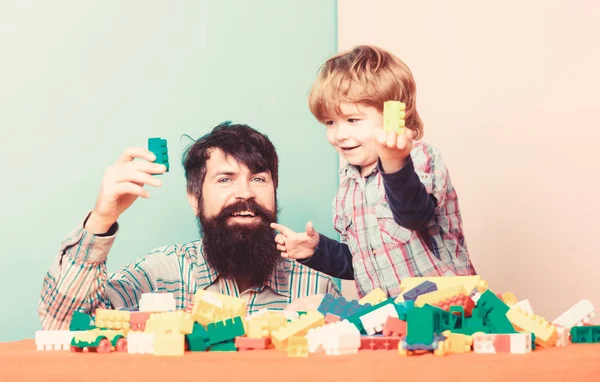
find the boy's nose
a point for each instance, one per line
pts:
(341, 132)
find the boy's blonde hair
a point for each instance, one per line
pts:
(365, 75)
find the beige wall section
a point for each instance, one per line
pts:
(508, 91)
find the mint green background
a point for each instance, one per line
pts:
(82, 80)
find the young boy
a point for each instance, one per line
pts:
(396, 209)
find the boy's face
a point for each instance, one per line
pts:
(352, 134)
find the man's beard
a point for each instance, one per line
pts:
(237, 251)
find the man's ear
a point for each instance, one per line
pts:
(193, 201)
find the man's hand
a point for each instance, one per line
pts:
(296, 245)
(393, 148)
(123, 183)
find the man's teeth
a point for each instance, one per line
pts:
(244, 213)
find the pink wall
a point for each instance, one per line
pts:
(508, 91)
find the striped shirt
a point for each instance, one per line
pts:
(78, 280)
(383, 251)
(395, 225)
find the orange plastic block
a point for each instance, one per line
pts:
(394, 327)
(247, 343)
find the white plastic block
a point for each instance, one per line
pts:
(337, 338)
(157, 302)
(374, 321)
(53, 339)
(140, 343)
(564, 336)
(577, 315)
(514, 343)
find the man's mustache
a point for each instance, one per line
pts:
(246, 205)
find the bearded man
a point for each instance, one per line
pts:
(232, 179)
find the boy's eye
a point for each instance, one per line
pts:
(352, 120)
(329, 123)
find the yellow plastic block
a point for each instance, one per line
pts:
(113, 319)
(374, 297)
(180, 322)
(169, 344)
(297, 327)
(257, 329)
(459, 343)
(509, 298)
(439, 295)
(468, 282)
(545, 333)
(212, 307)
(393, 116)
(298, 347)
(273, 321)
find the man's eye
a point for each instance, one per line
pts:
(259, 179)
(224, 180)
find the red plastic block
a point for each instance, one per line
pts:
(461, 300)
(379, 342)
(394, 327)
(247, 343)
(330, 318)
(138, 320)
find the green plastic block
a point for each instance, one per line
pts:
(422, 324)
(499, 323)
(585, 334)
(81, 322)
(158, 147)
(224, 346)
(402, 308)
(198, 339)
(490, 302)
(532, 341)
(225, 330)
(355, 318)
(393, 116)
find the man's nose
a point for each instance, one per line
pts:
(244, 191)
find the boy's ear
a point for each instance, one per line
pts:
(193, 201)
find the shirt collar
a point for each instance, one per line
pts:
(353, 172)
(279, 282)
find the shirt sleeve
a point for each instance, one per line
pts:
(332, 258)
(412, 205)
(77, 279)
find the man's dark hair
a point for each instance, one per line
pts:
(246, 145)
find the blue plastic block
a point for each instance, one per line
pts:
(423, 288)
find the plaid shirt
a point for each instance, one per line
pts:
(77, 280)
(383, 252)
